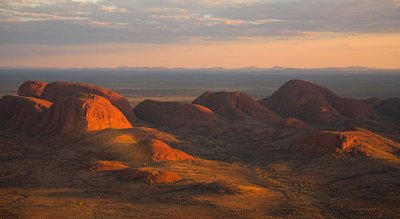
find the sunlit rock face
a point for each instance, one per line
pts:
(315, 104)
(63, 109)
(156, 151)
(356, 143)
(175, 114)
(80, 114)
(22, 113)
(56, 90)
(235, 105)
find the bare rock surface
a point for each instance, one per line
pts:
(57, 90)
(175, 114)
(358, 142)
(32, 88)
(315, 104)
(235, 105)
(388, 108)
(22, 113)
(80, 114)
(157, 151)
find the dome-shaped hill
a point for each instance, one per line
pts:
(235, 105)
(388, 109)
(315, 104)
(32, 88)
(135, 146)
(157, 151)
(175, 113)
(22, 113)
(57, 90)
(359, 142)
(314, 111)
(80, 114)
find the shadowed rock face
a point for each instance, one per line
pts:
(56, 90)
(353, 108)
(317, 143)
(22, 113)
(317, 112)
(83, 113)
(315, 104)
(175, 113)
(32, 88)
(235, 105)
(295, 123)
(388, 109)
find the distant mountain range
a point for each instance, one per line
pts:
(219, 69)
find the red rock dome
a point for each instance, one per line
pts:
(235, 105)
(317, 112)
(56, 90)
(22, 113)
(32, 88)
(80, 114)
(153, 150)
(315, 104)
(388, 109)
(175, 113)
(357, 143)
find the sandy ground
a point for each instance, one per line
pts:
(234, 176)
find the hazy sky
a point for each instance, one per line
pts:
(200, 33)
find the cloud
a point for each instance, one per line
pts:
(113, 9)
(174, 21)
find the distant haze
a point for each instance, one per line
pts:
(185, 85)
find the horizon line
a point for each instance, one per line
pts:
(245, 68)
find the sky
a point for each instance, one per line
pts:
(200, 33)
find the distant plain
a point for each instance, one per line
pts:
(185, 85)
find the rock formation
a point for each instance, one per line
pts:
(105, 165)
(153, 150)
(388, 109)
(57, 90)
(356, 143)
(315, 112)
(317, 143)
(235, 105)
(315, 104)
(149, 177)
(62, 109)
(295, 123)
(175, 113)
(22, 113)
(32, 88)
(80, 114)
